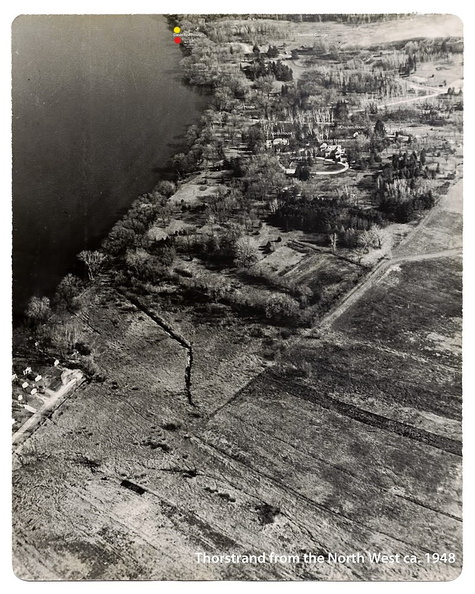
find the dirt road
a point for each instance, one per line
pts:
(452, 200)
(48, 407)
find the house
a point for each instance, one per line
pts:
(280, 141)
(332, 151)
(329, 151)
(290, 169)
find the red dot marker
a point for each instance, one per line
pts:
(177, 39)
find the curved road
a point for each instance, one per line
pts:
(344, 167)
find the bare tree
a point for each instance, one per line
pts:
(379, 235)
(38, 310)
(68, 291)
(93, 260)
(365, 241)
(333, 242)
(246, 252)
(65, 337)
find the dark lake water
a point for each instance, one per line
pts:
(98, 105)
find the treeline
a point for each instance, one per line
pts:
(211, 64)
(409, 66)
(427, 50)
(250, 19)
(322, 216)
(351, 19)
(280, 308)
(145, 210)
(402, 186)
(345, 82)
(226, 28)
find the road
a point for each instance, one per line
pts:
(56, 398)
(344, 167)
(397, 257)
(436, 91)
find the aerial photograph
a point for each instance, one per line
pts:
(237, 297)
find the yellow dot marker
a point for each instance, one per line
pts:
(177, 30)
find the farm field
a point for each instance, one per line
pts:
(350, 442)
(428, 26)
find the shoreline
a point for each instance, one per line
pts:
(110, 196)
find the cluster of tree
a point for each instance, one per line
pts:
(57, 334)
(230, 88)
(247, 29)
(359, 81)
(202, 286)
(65, 337)
(409, 66)
(260, 67)
(402, 186)
(226, 245)
(150, 266)
(263, 177)
(68, 293)
(371, 237)
(437, 113)
(255, 138)
(302, 171)
(403, 166)
(129, 231)
(281, 71)
(276, 307)
(427, 50)
(351, 19)
(400, 205)
(272, 52)
(224, 203)
(205, 146)
(339, 216)
(315, 216)
(184, 163)
(299, 291)
(38, 311)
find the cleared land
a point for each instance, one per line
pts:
(428, 26)
(351, 443)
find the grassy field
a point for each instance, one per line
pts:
(350, 443)
(375, 34)
(415, 308)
